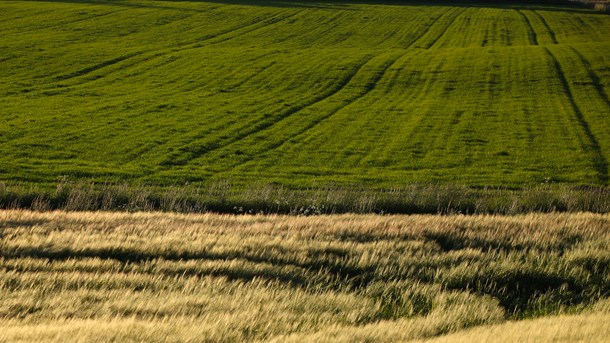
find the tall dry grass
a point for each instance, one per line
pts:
(104, 276)
(225, 197)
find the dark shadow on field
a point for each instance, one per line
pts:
(22, 223)
(543, 5)
(160, 4)
(516, 289)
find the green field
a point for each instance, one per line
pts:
(303, 94)
(154, 277)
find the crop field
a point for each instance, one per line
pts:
(104, 276)
(303, 94)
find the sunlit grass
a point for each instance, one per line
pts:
(303, 95)
(98, 276)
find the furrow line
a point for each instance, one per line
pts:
(123, 58)
(245, 80)
(97, 66)
(62, 24)
(546, 25)
(248, 63)
(92, 17)
(368, 88)
(435, 40)
(249, 26)
(530, 29)
(599, 161)
(267, 23)
(438, 20)
(418, 123)
(236, 84)
(593, 76)
(428, 29)
(197, 43)
(266, 125)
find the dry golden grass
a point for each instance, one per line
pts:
(556, 329)
(160, 277)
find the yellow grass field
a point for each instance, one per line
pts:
(161, 277)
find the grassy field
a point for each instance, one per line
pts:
(303, 94)
(95, 276)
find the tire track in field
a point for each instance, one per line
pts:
(446, 28)
(267, 23)
(416, 147)
(96, 67)
(546, 25)
(155, 54)
(62, 24)
(319, 32)
(248, 63)
(428, 30)
(597, 84)
(250, 77)
(7, 58)
(91, 17)
(418, 37)
(530, 29)
(232, 87)
(55, 86)
(199, 151)
(248, 27)
(197, 42)
(368, 87)
(599, 161)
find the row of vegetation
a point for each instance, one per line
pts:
(223, 197)
(170, 277)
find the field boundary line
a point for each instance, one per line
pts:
(599, 161)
